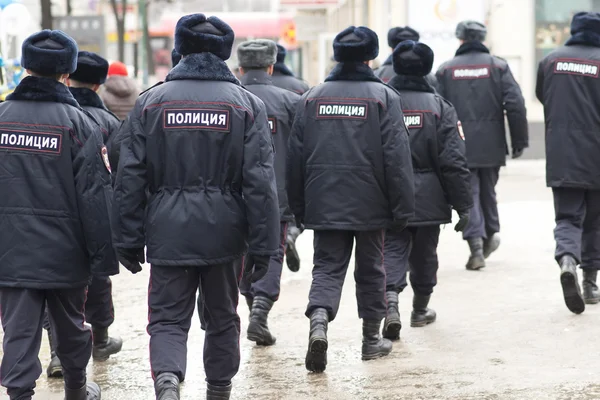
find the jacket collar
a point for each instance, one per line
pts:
(282, 69)
(203, 67)
(411, 83)
(388, 61)
(33, 88)
(352, 71)
(256, 78)
(87, 97)
(472, 47)
(585, 38)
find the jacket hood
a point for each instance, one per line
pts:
(121, 86)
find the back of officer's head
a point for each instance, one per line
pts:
(281, 53)
(356, 44)
(51, 54)
(471, 31)
(91, 71)
(259, 54)
(412, 59)
(197, 34)
(585, 22)
(399, 34)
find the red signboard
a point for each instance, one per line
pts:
(309, 3)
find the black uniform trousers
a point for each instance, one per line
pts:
(171, 302)
(332, 252)
(483, 218)
(414, 249)
(577, 232)
(22, 313)
(269, 286)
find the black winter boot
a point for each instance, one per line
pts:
(373, 345)
(166, 386)
(292, 258)
(591, 295)
(89, 391)
(258, 330)
(214, 392)
(421, 315)
(392, 324)
(249, 301)
(54, 369)
(316, 356)
(570, 284)
(490, 245)
(476, 259)
(104, 346)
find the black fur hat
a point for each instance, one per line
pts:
(91, 68)
(585, 22)
(175, 57)
(197, 34)
(412, 58)
(281, 53)
(399, 34)
(355, 44)
(49, 52)
(259, 53)
(471, 31)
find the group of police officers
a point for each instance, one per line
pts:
(212, 178)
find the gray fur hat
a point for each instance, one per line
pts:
(259, 53)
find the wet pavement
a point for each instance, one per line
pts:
(501, 333)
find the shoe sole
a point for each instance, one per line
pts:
(259, 339)
(98, 357)
(375, 356)
(421, 324)
(316, 356)
(391, 330)
(292, 258)
(55, 373)
(572, 293)
(592, 301)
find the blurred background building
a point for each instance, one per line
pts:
(521, 31)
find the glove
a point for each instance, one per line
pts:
(131, 259)
(398, 225)
(256, 267)
(517, 152)
(462, 221)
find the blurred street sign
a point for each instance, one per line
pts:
(88, 31)
(311, 4)
(310, 24)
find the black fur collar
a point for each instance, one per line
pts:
(388, 61)
(87, 97)
(585, 38)
(472, 47)
(282, 69)
(256, 78)
(203, 67)
(33, 88)
(411, 83)
(352, 71)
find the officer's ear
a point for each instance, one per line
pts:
(241, 70)
(63, 78)
(270, 69)
(68, 82)
(95, 87)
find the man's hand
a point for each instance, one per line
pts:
(131, 259)
(463, 220)
(517, 152)
(256, 267)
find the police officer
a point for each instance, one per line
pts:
(256, 59)
(482, 88)
(51, 244)
(396, 36)
(195, 183)
(99, 311)
(569, 88)
(284, 78)
(349, 159)
(441, 183)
